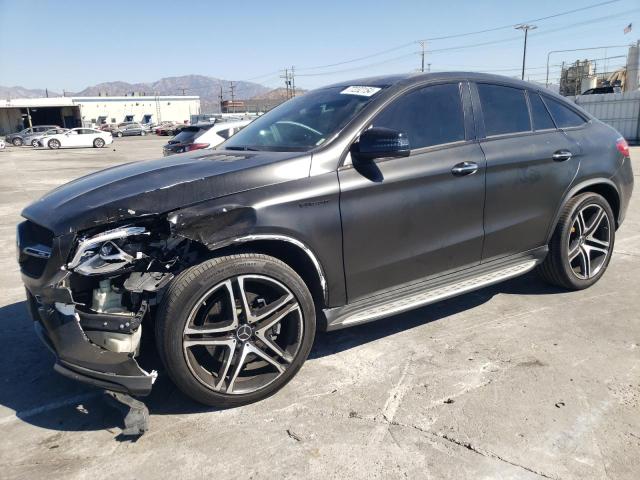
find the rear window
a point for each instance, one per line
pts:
(188, 134)
(563, 115)
(504, 108)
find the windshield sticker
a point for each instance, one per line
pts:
(361, 91)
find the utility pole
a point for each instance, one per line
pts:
(525, 28)
(293, 81)
(286, 82)
(232, 87)
(422, 45)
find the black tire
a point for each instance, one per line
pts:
(183, 296)
(34, 143)
(98, 143)
(119, 134)
(53, 144)
(556, 268)
(17, 142)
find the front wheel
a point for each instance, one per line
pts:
(34, 143)
(98, 143)
(142, 133)
(582, 243)
(119, 134)
(17, 142)
(236, 329)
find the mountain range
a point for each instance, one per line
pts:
(207, 88)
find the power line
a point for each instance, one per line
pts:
(464, 34)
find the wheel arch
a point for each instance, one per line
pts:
(291, 251)
(601, 186)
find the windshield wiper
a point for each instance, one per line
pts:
(243, 148)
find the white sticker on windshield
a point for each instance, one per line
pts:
(360, 90)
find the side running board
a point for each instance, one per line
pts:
(414, 298)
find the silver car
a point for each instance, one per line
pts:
(34, 138)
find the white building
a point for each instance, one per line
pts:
(70, 112)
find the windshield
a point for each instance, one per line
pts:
(304, 122)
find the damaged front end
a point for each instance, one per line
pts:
(91, 293)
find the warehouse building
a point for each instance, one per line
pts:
(70, 112)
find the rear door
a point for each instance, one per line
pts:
(405, 219)
(530, 165)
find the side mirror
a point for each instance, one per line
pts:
(379, 142)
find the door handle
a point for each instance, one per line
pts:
(562, 155)
(464, 168)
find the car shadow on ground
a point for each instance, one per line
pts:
(41, 397)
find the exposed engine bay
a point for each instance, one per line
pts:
(117, 276)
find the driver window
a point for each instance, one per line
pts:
(429, 116)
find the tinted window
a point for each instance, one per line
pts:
(429, 116)
(223, 133)
(541, 117)
(505, 109)
(188, 134)
(563, 115)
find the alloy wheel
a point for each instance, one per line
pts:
(589, 241)
(243, 334)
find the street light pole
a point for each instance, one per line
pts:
(524, 27)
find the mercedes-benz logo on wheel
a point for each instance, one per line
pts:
(244, 333)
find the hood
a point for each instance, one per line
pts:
(158, 186)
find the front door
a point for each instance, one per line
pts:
(405, 219)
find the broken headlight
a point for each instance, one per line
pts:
(105, 253)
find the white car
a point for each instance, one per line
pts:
(78, 137)
(2, 144)
(202, 136)
(221, 132)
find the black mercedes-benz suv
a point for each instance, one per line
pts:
(345, 205)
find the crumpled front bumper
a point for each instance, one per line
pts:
(80, 359)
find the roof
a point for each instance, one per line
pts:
(409, 78)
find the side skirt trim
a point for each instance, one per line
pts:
(347, 316)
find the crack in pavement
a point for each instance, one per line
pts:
(474, 449)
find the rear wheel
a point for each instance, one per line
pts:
(53, 143)
(236, 329)
(582, 243)
(98, 143)
(34, 143)
(17, 142)
(119, 134)
(142, 133)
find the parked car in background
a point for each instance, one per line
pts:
(128, 130)
(78, 137)
(33, 139)
(17, 139)
(348, 204)
(599, 90)
(165, 128)
(107, 127)
(202, 135)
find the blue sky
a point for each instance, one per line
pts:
(70, 45)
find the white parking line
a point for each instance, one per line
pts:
(63, 402)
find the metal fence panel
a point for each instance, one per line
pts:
(620, 110)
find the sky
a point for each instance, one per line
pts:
(74, 44)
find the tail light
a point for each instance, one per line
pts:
(195, 146)
(622, 146)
